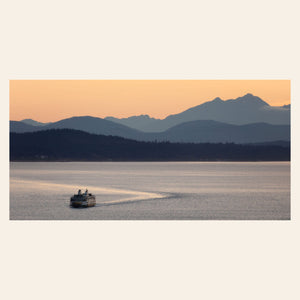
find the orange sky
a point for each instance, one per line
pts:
(53, 100)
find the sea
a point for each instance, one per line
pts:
(151, 190)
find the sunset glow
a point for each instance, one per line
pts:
(53, 100)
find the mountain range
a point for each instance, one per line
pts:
(247, 119)
(240, 111)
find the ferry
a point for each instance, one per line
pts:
(83, 199)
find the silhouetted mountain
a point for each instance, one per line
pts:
(73, 145)
(194, 131)
(243, 110)
(33, 122)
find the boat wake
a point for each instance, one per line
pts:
(100, 192)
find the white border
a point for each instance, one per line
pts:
(149, 40)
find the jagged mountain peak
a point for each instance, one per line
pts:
(217, 99)
(249, 98)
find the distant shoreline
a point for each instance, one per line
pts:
(137, 161)
(73, 145)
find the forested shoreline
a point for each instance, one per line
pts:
(74, 145)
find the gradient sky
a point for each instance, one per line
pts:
(53, 100)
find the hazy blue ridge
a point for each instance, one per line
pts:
(211, 131)
(74, 145)
(195, 131)
(18, 126)
(33, 122)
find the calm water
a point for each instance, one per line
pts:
(151, 190)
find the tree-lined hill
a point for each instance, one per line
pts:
(73, 145)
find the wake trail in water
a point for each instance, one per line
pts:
(134, 195)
